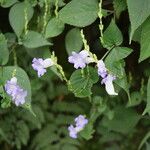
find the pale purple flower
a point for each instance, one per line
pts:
(108, 81)
(72, 131)
(15, 91)
(81, 121)
(11, 86)
(81, 59)
(102, 71)
(19, 97)
(40, 65)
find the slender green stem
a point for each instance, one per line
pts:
(56, 8)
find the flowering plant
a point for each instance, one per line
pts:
(81, 60)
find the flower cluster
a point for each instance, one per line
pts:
(81, 59)
(40, 65)
(80, 123)
(107, 78)
(15, 91)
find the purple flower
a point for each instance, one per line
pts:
(40, 65)
(19, 97)
(81, 121)
(11, 86)
(72, 131)
(102, 71)
(81, 59)
(13, 89)
(108, 81)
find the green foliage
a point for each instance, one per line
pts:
(34, 39)
(119, 6)
(79, 13)
(8, 3)
(81, 82)
(17, 16)
(73, 41)
(112, 36)
(54, 100)
(54, 27)
(145, 40)
(4, 53)
(128, 118)
(138, 13)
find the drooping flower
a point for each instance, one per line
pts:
(102, 71)
(81, 59)
(107, 78)
(17, 94)
(80, 123)
(108, 81)
(40, 65)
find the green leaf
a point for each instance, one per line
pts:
(145, 41)
(17, 16)
(147, 109)
(119, 6)
(136, 99)
(23, 80)
(8, 3)
(112, 36)
(79, 12)
(4, 53)
(113, 62)
(73, 41)
(87, 131)
(34, 39)
(138, 13)
(81, 83)
(54, 27)
(124, 120)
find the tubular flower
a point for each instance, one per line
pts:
(80, 123)
(107, 79)
(81, 59)
(17, 94)
(40, 65)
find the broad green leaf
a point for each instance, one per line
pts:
(147, 109)
(34, 39)
(145, 41)
(124, 120)
(54, 27)
(4, 53)
(73, 41)
(80, 83)
(8, 3)
(112, 61)
(112, 36)
(79, 12)
(23, 80)
(17, 16)
(119, 6)
(138, 13)
(137, 34)
(122, 82)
